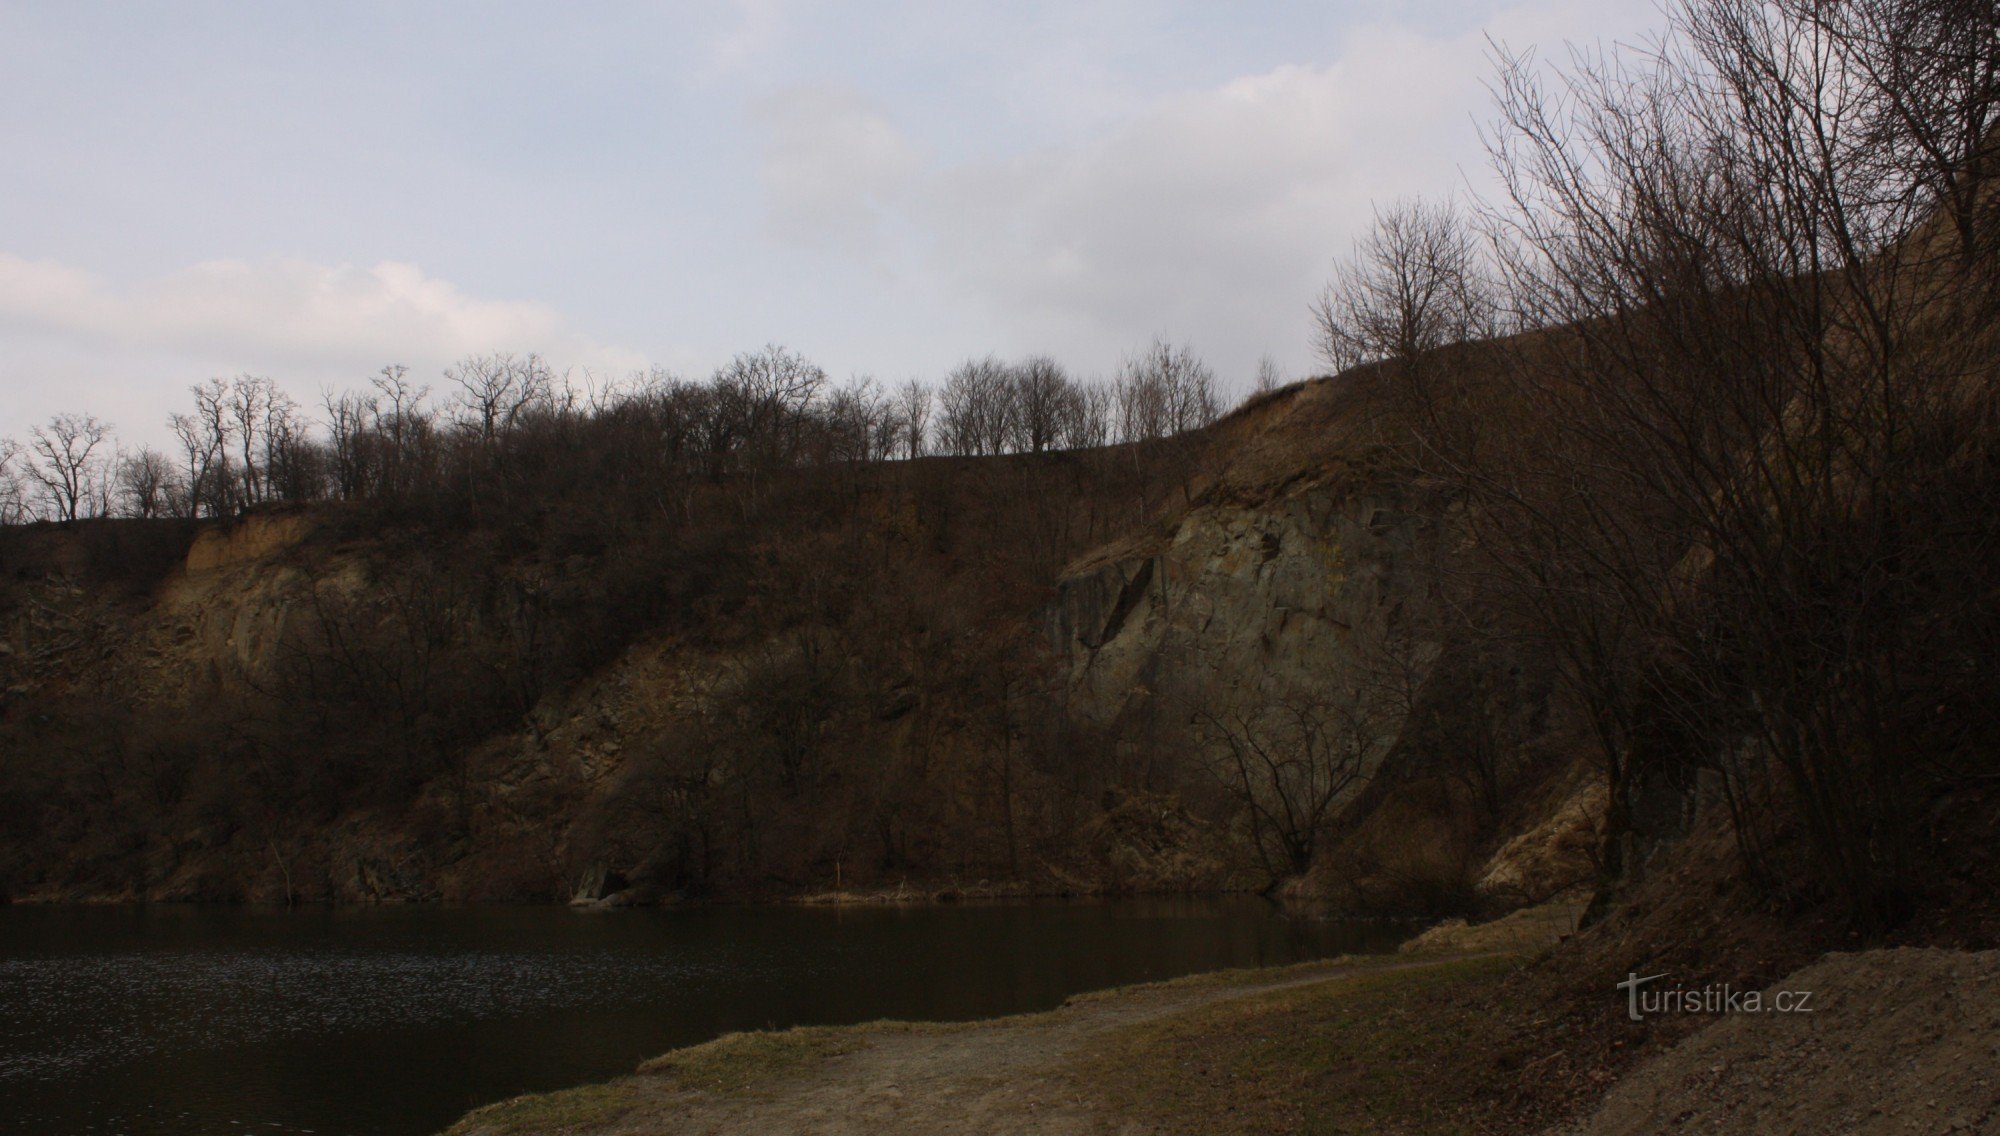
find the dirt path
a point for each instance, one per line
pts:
(1890, 1041)
(1003, 1076)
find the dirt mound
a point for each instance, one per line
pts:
(1895, 1041)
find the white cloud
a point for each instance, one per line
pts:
(137, 348)
(285, 313)
(758, 24)
(833, 161)
(1214, 214)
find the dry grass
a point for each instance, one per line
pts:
(731, 1064)
(1403, 1051)
(735, 1061)
(592, 1107)
(1529, 929)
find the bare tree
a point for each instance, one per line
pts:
(977, 408)
(1270, 376)
(1413, 283)
(1763, 264)
(296, 468)
(350, 422)
(13, 500)
(766, 397)
(1163, 391)
(63, 461)
(147, 485)
(256, 408)
(1088, 418)
(858, 418)
(1921, 94)
(404, 429)
(1290, 766)
(205, 438)
(495, 391)
(1044, 398)
(913, 410)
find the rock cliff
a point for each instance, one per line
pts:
(303, 708)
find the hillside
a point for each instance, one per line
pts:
(1645, 532)
(952, 673)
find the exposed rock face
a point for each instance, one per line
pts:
(231, 604)
(1553, 856)
(1310, 573)
(1301, 570)
(1240, 601)
(256, 537)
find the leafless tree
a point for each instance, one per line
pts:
(1270, 376)
(495, 391)
(1163, 391)
(404, 429)
(859, 421)
(1290, 766)
(977, 408)
(765, 397)
(64, 462)
(913, 411)
(1413, 283)
(147, 485)
(205, 438)
(257, 412)
(13, 500)
(296, 467)
(1088, 420)
(1044, 398)
(350, 422)
(1762, 263)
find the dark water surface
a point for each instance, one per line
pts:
(391, 1022)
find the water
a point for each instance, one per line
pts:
(393, 1022)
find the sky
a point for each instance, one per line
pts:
(313, 191)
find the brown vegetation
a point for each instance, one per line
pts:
(857, 690)
(1710, 522)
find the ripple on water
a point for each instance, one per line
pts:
(63, 1016)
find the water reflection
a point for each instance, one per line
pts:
(380, 1022)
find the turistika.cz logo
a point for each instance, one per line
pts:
(1711, 999)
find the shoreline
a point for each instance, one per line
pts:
(1418, 1043)
(904, 896)
(1025, 1073)
(1012, 1074)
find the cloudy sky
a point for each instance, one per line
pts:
(311, 191)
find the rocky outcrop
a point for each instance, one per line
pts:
(1554, 856)
(1298, 570)
(1316, 600)
(1300, 595)
(1309, 575)
(255, 537)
